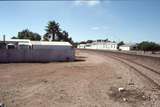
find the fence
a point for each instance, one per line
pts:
(36, 55)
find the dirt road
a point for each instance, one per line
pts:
(94, 80)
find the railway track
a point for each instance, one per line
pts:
(151, 69)
(147, 72)
(150, 74)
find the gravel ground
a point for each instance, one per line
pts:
(91, 81)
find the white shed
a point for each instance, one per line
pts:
(50, 45)
(59, 51)
(126, 47)
(99, 45)
(81, 46)
(20, 50)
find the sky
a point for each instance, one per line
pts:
(117, 20)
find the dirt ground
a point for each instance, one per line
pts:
(91, 81)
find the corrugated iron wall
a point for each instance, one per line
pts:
(36, 55)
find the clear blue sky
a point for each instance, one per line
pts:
(127, 20)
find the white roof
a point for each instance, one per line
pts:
(10, 44)
(108, 42)
(19, 40)
(24, 44)
(50, 43)
(126, 45)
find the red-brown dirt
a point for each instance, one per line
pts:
(91, 81)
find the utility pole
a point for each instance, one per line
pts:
(4, 38)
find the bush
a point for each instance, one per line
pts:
(148, 46)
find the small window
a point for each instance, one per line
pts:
(11, 46)
(24, 46)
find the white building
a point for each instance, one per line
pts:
(55, 50)
(36, 51)
(50, 45)
(99, 45)
(81, 46)
(52, 37)
(126, 47)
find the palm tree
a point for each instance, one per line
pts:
(54, 33)
(65, 35)
(52, 30)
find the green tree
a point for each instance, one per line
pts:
(148, 46)
(52, 29)
(14, 37)
(75, 44)
(89, 41)
(36, 36)
(65, 35)
(26, 34)
(45, 37)
(82, 42)
(120, 43)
